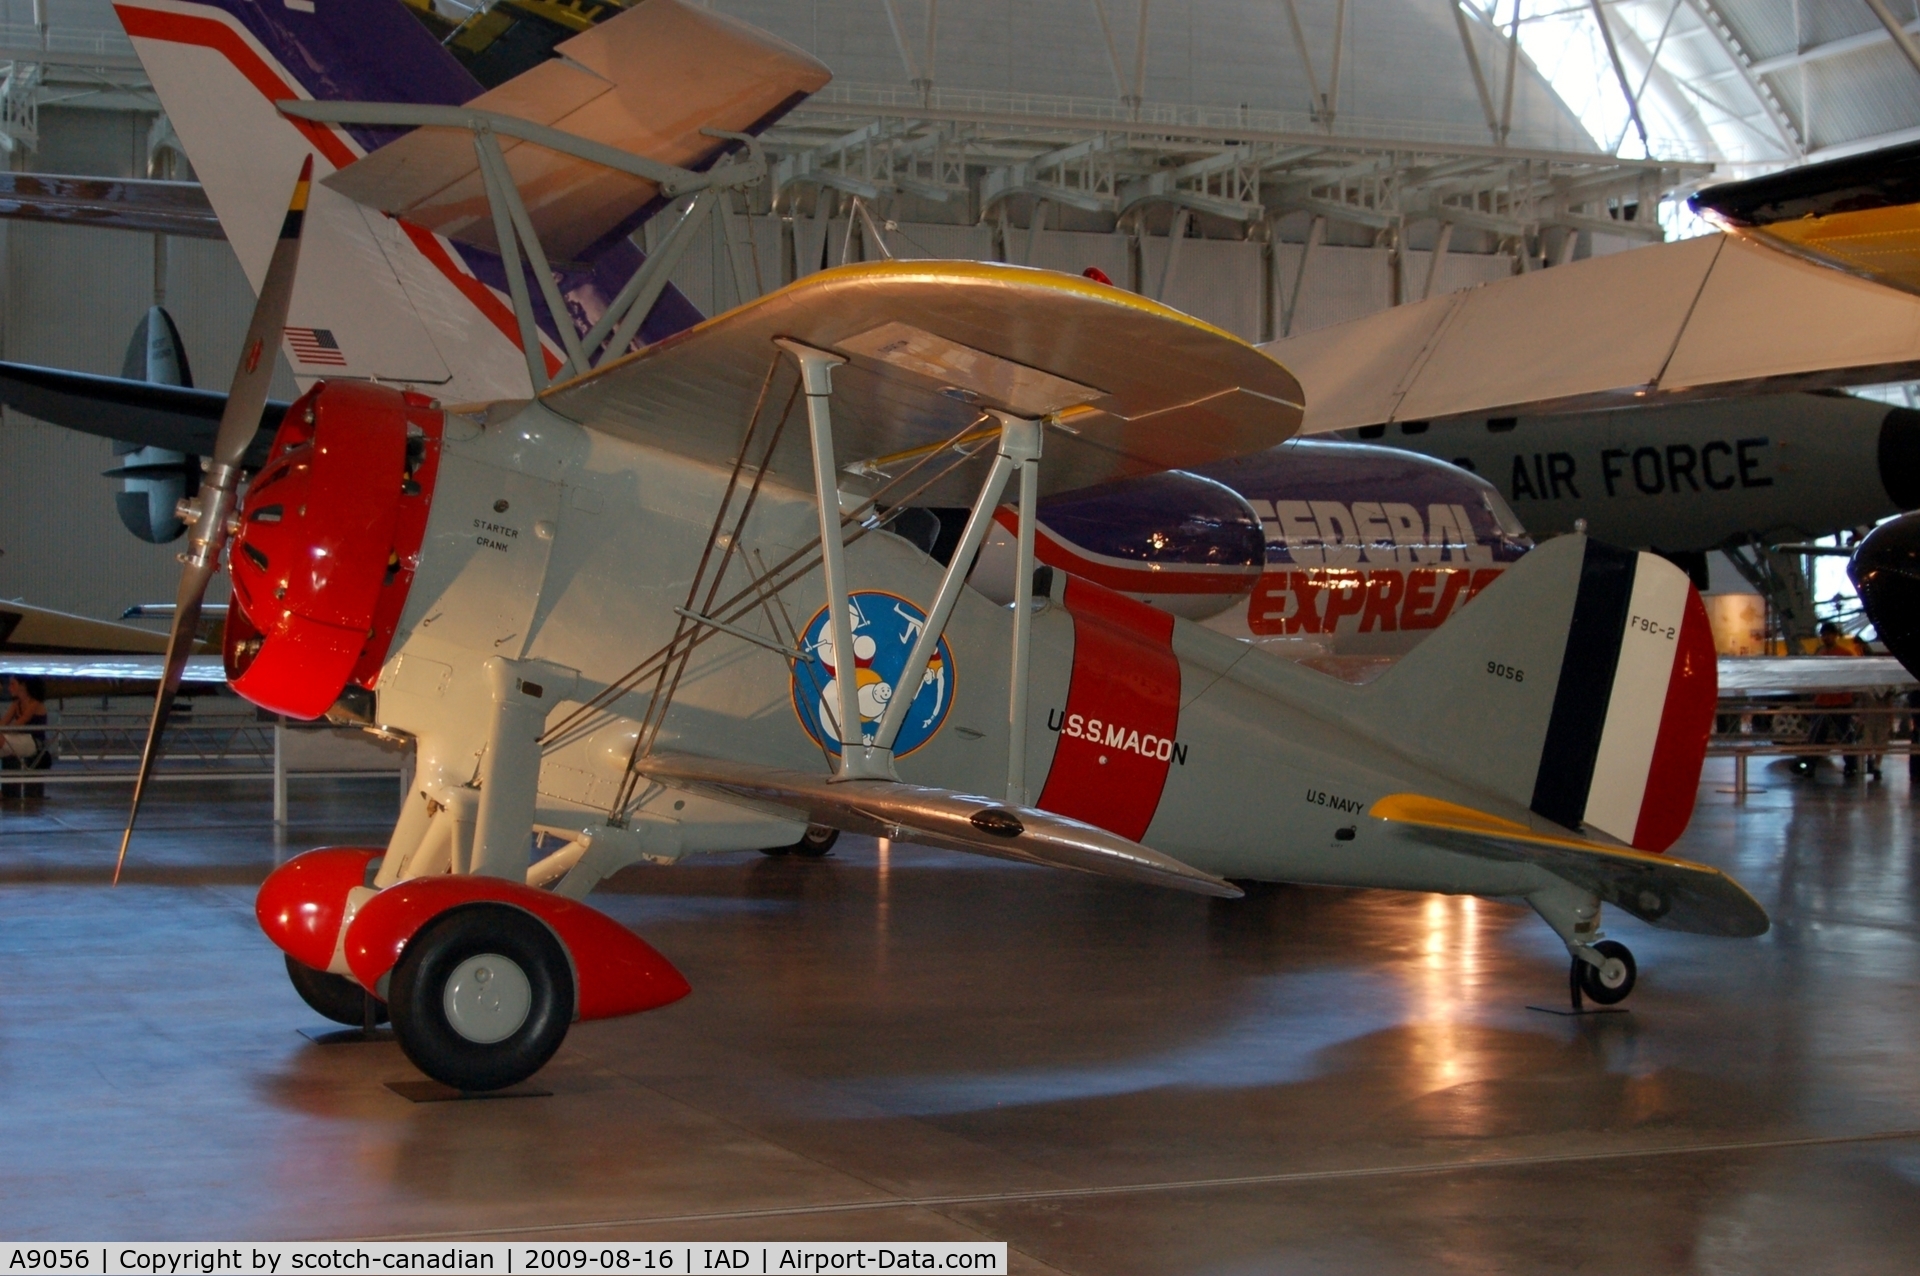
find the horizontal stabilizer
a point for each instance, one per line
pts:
(933, 817)
(1673, 894)
(179, 418)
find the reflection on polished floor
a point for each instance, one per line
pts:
(895, 1043)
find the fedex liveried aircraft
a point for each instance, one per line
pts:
(1312, 548)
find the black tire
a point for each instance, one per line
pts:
(1609, 984)
(333, 996)
(816, 842)
(483, 942)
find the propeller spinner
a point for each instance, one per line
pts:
(209, 514)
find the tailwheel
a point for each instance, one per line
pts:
(334, 996)
(1608, 983)
(482, 997)
(813, 844)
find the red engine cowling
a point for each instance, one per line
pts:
(328, 539)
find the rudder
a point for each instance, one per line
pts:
(1580, 685)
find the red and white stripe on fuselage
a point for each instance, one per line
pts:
(1119, 729)
(402, 303)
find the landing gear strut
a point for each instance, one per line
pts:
(1603, 971)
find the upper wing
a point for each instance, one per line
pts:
(1134, 387)
(1672, 893)
(934, 817)
(169, 416)
(1716, 315)
(646, 81)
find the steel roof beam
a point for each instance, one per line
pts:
(1827, 49)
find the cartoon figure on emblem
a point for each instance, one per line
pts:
(880, 652)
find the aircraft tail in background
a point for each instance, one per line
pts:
(153, 480)
(382, 296)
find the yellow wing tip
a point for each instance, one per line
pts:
(1020, 276)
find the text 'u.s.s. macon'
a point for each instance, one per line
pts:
(1116, 736)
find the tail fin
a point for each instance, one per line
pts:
(154, 479)
(377, 297)
(1580, 685)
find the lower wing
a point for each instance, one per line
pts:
(933, 817)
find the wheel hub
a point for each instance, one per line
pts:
(488, 997)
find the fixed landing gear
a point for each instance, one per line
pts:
(813, 844)
(1603, 971)
(482, 997)
(335, 997)
(1609, 982)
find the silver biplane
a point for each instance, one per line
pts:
(656, 609)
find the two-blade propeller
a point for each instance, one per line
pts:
(211, 514)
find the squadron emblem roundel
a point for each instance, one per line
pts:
(885, 627)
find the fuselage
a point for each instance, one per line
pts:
(1690, 476)
(553, 542)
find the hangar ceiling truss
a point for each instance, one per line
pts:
(976, 152)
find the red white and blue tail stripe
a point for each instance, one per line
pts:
(1634, 705)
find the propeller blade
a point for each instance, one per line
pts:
(218, 497)
(248, 395)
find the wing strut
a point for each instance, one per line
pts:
(616, 329)
(858, 759)
(1020, 442)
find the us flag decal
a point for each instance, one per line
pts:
(315, 347)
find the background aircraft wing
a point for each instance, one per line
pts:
(1860, 214)
(42, 631)
(1716, 315)
(111, 668)
(646, 81)
(934, 817)
(1137, 387)
(1674, 894)
(181, 418)
(111, 203)
(1761, 675)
